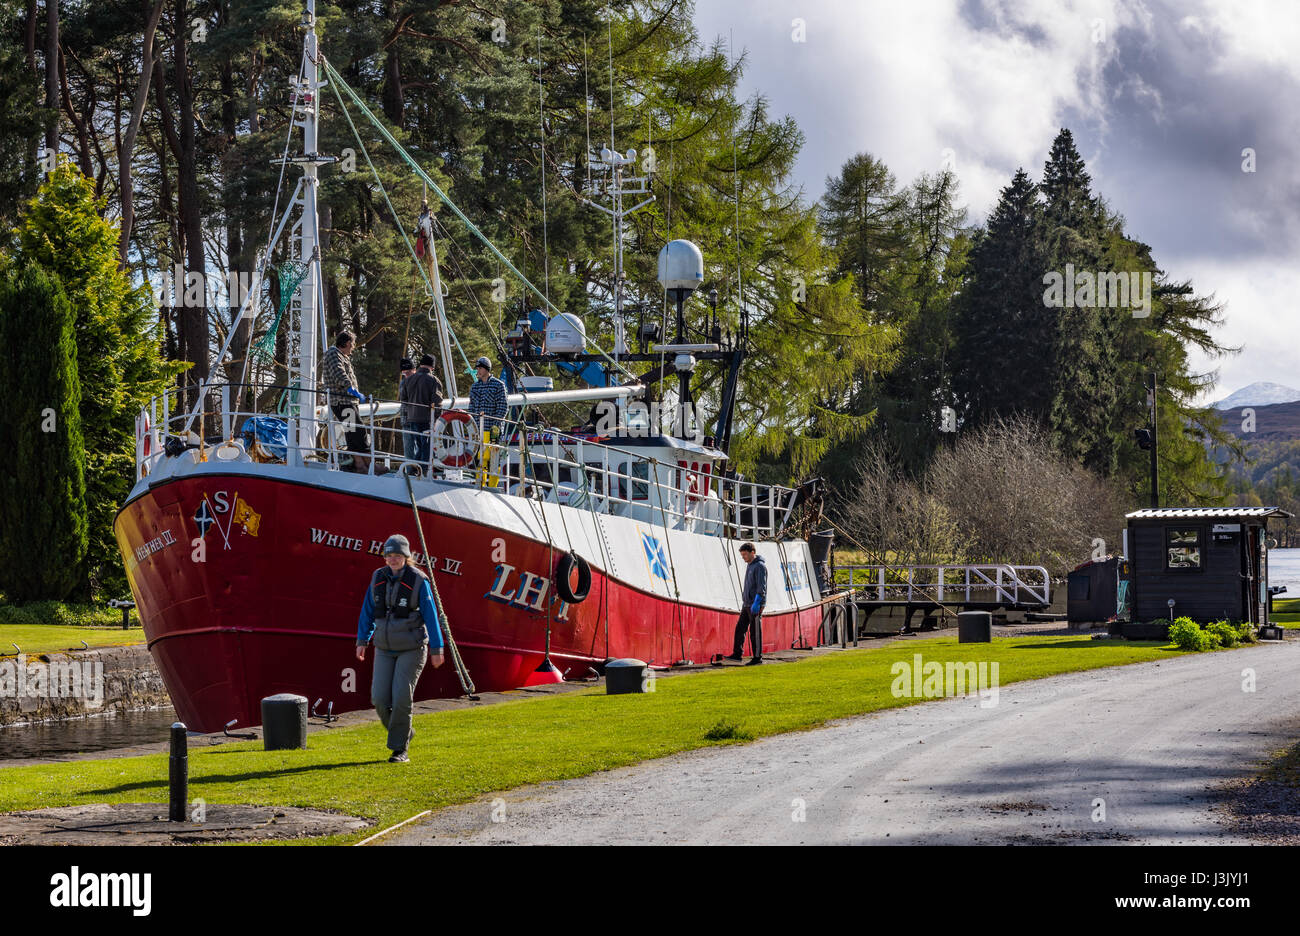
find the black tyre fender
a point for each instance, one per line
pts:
(563, 572)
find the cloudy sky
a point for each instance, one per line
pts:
(1162, 97)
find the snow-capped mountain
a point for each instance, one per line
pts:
(1259, 394)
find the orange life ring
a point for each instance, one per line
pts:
(455, 441)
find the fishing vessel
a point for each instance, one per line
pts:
(249, 537)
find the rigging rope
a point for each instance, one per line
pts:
(462, 674)
(397, 220)
(336, 81)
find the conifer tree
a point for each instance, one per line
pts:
(43, 524)
(120, 365)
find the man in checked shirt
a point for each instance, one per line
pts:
(487, 398)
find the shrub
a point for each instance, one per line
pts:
(58, 612)
(1226, 633)
(1187, 635)
(14, 616)
(1245, 631)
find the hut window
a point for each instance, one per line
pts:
(1182, 548)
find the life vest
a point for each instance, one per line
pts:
(400, 627)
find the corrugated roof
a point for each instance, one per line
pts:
(1207, 512)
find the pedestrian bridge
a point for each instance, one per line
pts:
(944, 589)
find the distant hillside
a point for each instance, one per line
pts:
(1271, 473)
(1259, 394)
(1279, 422)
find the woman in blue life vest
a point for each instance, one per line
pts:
(399, 617)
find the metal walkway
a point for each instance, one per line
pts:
(946, 589)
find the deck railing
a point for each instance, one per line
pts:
(509, 457)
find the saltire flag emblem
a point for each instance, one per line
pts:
(654, 554)
(203, 518)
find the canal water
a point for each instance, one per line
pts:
(1284, 569)
(85, 735)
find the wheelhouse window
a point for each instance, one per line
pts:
(1183, 548)
(640, 489)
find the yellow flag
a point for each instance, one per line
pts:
(247, 516)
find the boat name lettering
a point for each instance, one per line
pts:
(354, 544)
(162, 541)
(530, 591)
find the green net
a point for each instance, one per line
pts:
(290, 274)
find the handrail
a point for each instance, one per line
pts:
(1006, 581)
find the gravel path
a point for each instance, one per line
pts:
(1156, 742)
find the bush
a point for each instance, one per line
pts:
(1245, 631)
(59, 613)
(14, 616)
(1227, 634)
(1187, 635)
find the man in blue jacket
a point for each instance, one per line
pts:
(751, 611)
(399, 616)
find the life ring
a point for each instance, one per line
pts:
(563, 569)
(455, 441)
(148, 435)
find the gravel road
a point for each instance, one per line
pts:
(1154, 741)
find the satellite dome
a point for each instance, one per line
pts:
(681, 265)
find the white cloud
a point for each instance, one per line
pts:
(905, 81)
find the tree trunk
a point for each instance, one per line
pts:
(52, 75)
(194, 316)
(127, 149)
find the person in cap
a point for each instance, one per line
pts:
(399, 617)
(752, 600)
(421, 398)
(345, 399)
(487, 396)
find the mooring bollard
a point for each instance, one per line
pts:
(178, 774)
(624, 676)
(974, 627)
(284, 722)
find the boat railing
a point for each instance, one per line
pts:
(503, 455)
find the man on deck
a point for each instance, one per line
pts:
(751, 606)
(420, 395)
(487, 397)
(345, 399)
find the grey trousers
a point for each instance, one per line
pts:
(391, 690)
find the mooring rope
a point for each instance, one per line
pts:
(462, 673)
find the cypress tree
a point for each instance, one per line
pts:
(63, 230)
(43, 528)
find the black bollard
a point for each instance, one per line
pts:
(178, 775)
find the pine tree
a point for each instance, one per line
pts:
(1003, 359)
(43, 525)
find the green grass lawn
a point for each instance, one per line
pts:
(42, 638)
(460, 754)
(1286, 611)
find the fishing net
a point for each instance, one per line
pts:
(290, 274)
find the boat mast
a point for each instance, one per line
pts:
(614, 189)
(305, 239)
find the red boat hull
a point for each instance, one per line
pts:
(248, 586)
